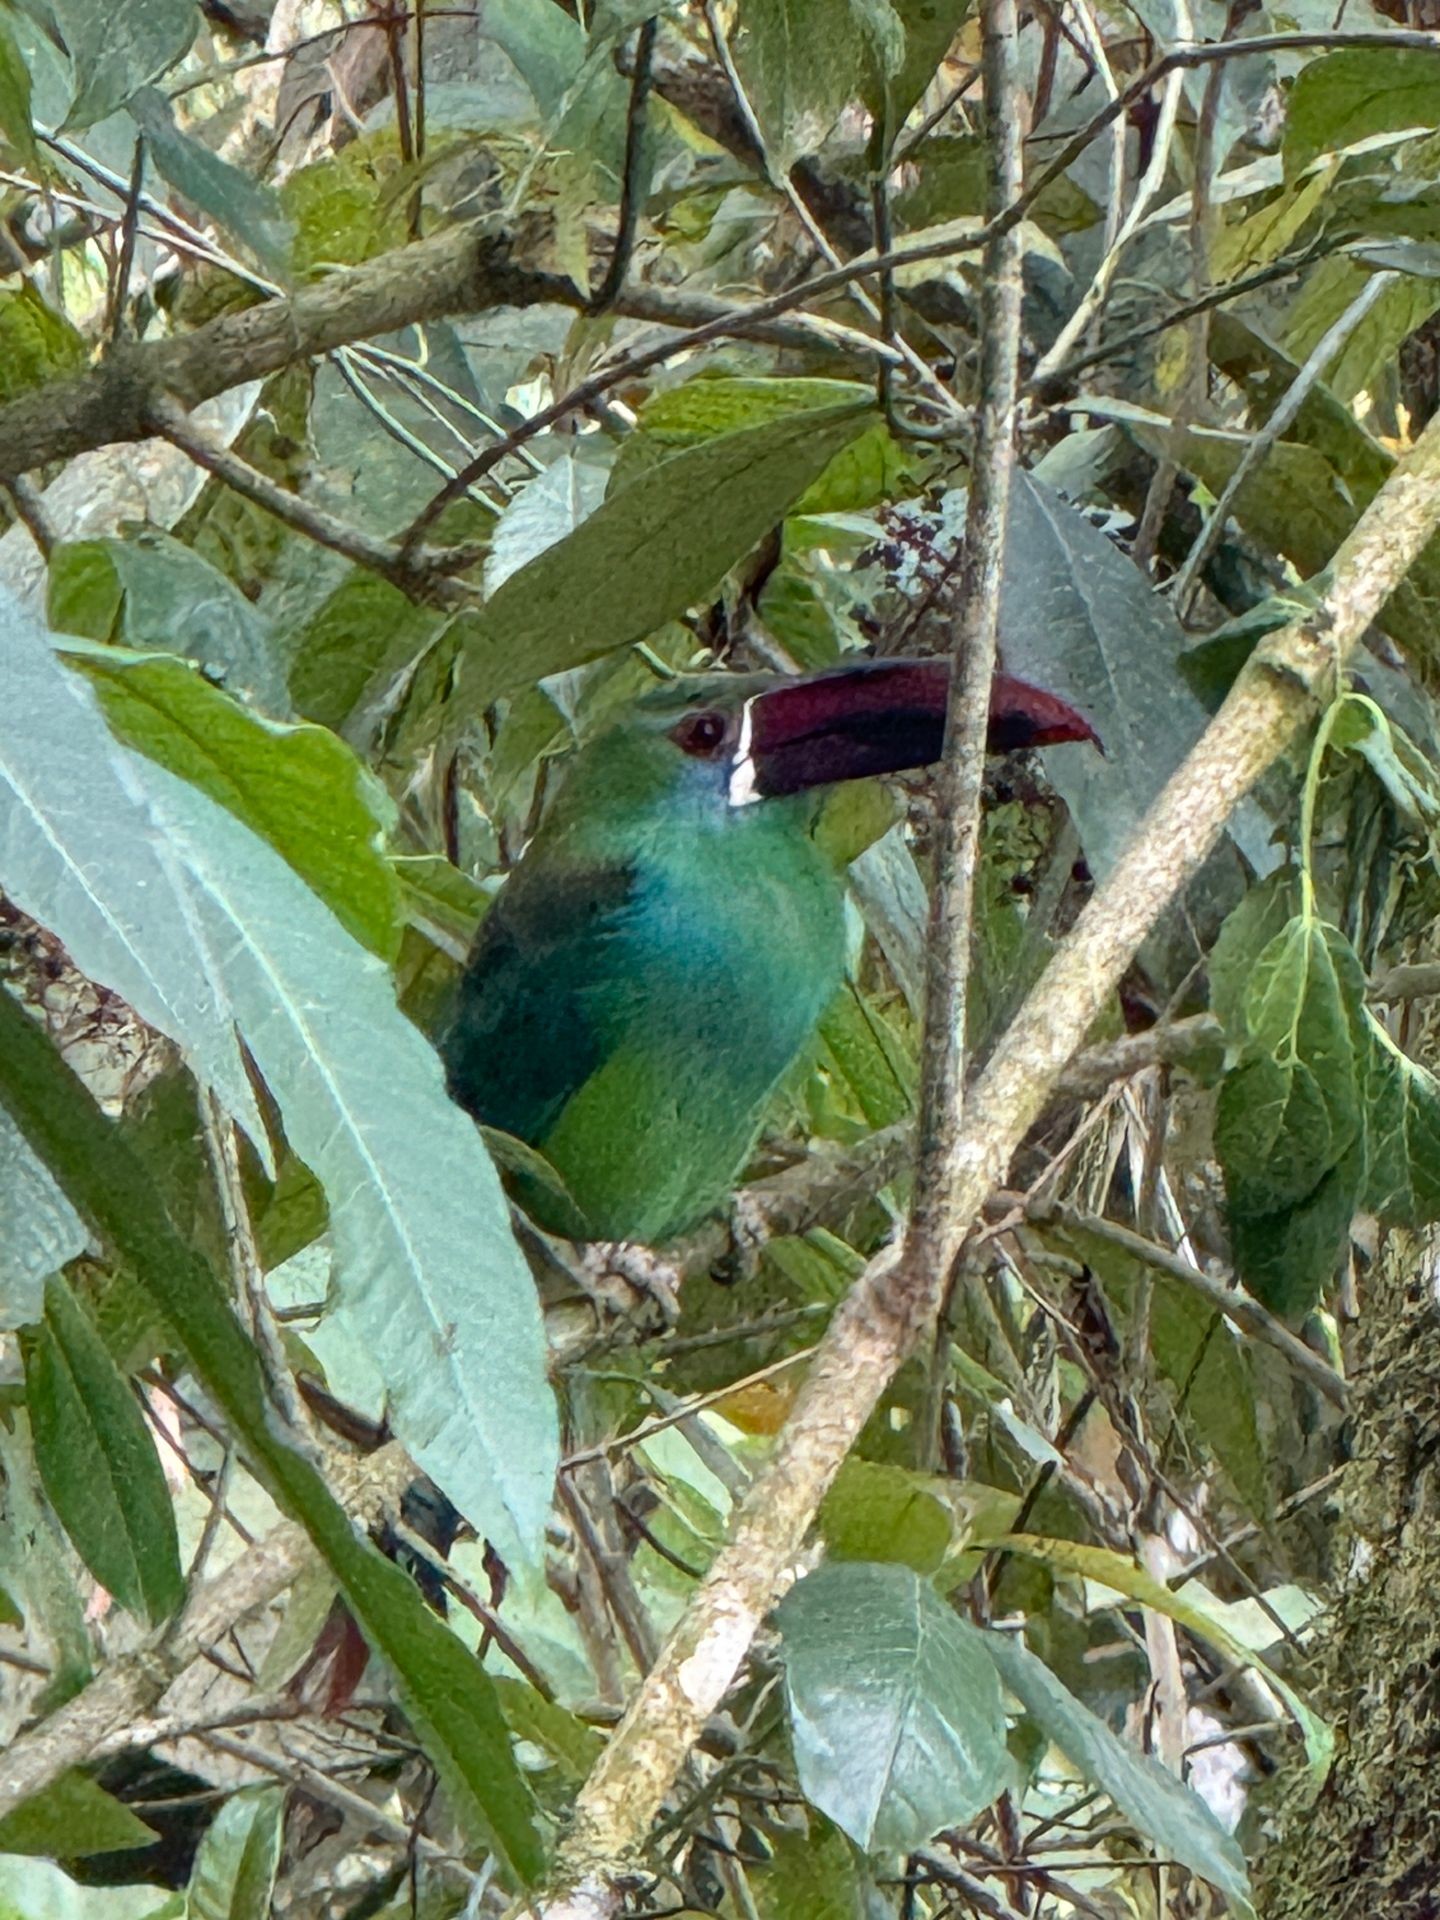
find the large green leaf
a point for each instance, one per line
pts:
(81, 852)
(428, 1274)
(70, 1818)
(234, 1873)
(1078, 617)
(810, 1876)
(875, 1511)
(114, 50)
(1177, 1820)
(1294, 1109)
(895, 1709)
(893, 87)
(353, 657)
(98, 1462)
(445, 1690)
(1403, 1121)
(1355, 92)
(802, 61)
(296, 786)
(654, 548)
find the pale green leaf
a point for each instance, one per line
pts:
(82, 852)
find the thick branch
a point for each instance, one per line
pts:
(1275, 695)
(463, 270)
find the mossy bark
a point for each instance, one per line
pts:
(1369, 1844)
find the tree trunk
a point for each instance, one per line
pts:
(1369, 1845)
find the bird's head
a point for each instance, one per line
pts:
(763, 736)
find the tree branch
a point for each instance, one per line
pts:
(463, 270)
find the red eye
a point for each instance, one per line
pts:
(700, 734)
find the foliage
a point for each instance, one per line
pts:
(560, 411)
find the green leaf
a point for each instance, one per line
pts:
(810, 1876)
(245, 208)
(39, 1229)
(1402, 1182)
(892, 87)
(98, 1462)
(879, 1512)
(1371, 348)
(894, 1705)
(429, 1274)
(39, 1890)
(1296, 1107)
(297, 787)
(550, 506)
(165, 598)
(951, 184)
(355, 655)
(572, 1745)
(36, 343)
(654, 548)
(82, 853)
(1079, 618)
(234, 1873)
(115, 50)
(1174, 1818)
(70, 1818)
(15, 123)
(1287, 1257)
(1356, 92)
(1124, 1577)
(1261, 914)
(445, 1690)
(801, 62)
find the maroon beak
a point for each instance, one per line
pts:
(882, 716)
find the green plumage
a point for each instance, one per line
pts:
(647, 976)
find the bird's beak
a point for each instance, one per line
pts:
(878, 716)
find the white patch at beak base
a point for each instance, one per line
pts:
(743, 790)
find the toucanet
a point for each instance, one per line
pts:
(660, 956)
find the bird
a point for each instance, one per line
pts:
(661, 953)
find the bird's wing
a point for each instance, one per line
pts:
(529, 1025)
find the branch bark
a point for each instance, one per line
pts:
(463, 270)
(1278, 691)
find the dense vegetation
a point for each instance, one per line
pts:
(387, 398)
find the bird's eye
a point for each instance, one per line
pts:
(700, 734)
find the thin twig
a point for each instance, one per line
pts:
(933, 1235)
(129, 223)
(633, 184)
(30, 511)
(173, 424)
(1228, 1299)
(1092, 301)
(1187, 580)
